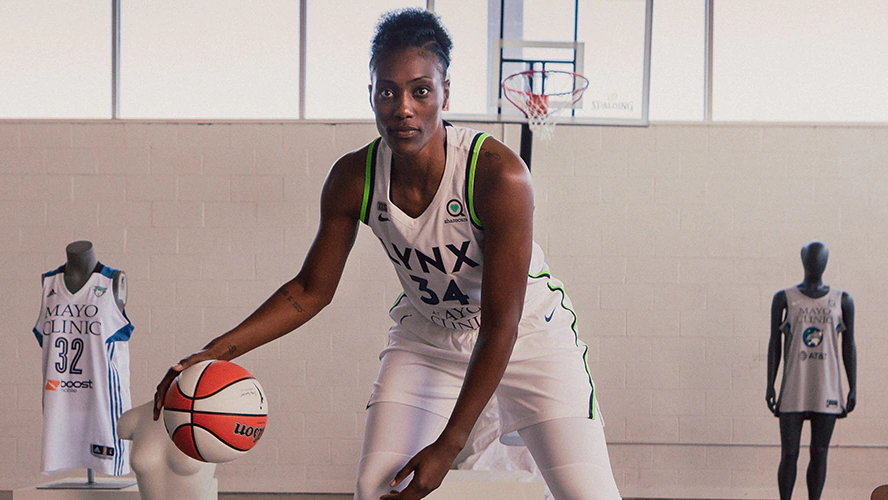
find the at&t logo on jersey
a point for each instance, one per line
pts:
(67, 385)
(804, 356)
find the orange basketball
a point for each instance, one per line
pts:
(215, 411)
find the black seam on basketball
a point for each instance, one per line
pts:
(194, 441)
(186, 396)
(205, 412)
(193, 437)
(218, 438)
(217, 391)
(177, 410)
(200, 377)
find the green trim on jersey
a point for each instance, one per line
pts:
(369, 171)
(397, 301)
(573, 326)
(475, 150)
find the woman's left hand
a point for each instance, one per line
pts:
(429, 467)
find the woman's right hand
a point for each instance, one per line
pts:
(174, 372)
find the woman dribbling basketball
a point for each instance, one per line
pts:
(453, 209)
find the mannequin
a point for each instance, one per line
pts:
(83, 331)
(163, 471)
(80, 265)
(810, 317)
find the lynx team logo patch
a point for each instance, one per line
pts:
(812, 336)
(99, 290)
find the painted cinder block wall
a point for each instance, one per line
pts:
(671, 239)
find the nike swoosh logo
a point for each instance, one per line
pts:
(549, 317)
(383, 219)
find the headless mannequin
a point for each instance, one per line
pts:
(814, 257)
(162, 471)
(80, 265)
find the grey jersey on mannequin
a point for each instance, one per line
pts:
(811, 373)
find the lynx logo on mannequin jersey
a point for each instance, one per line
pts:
(812, 336)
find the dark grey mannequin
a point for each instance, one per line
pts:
(814, 258)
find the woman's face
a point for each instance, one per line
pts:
(408, 92)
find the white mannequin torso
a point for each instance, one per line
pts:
(162, 471)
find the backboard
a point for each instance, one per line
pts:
(607, 41)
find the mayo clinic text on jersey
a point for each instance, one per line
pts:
(73, 319)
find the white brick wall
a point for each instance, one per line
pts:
(671, 239)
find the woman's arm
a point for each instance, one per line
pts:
(311, 290)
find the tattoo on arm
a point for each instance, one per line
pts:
(232, 349)
(492, 155)
(292, 300)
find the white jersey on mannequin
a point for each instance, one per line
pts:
(86, 388)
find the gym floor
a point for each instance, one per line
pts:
(7, 495)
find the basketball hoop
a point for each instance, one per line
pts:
(557, 92)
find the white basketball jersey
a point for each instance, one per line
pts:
(437, 255)
(811, 374)
(85, 374)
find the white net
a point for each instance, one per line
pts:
(544, 96)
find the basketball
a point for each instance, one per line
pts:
(215, 411)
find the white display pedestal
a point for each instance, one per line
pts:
(489, 485)
(81, 493)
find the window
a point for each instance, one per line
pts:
(338, 56)
(468, 26)
(55, 59)
(209, 59)
(677, 65)
(798, 60)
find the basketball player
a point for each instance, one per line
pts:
(84, 331)
(162, 471)
(453, 209)
(811, 316)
